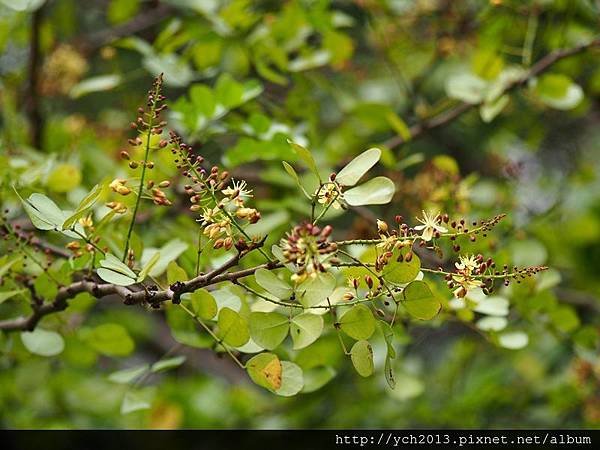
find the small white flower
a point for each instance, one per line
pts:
(468, 264)
(430, 226)
(238, 189)
(330, 194)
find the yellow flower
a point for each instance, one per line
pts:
(330, 194)
(467, 264)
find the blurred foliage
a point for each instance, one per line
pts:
(338, 77)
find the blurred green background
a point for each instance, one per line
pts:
(337, 77)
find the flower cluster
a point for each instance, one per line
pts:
(220, 202)
(150, 128)
(465, 278)
(307, 246)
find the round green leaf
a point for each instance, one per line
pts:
(355, 169)
(513, 340)
(316, 290)
(265, 369)
(233, 328)
(64, 178)
(492, 323)
(358, 322)
(43, 342)
(272, 284)
(203, 304)
(268, 329)
(492, 306)
(317, 377)
(420, 302)
(292, 379)
(361, 355)
(305, 329)
(377, 191)
(402, 272)
(110, 339)
(558, 91)
(466, 87)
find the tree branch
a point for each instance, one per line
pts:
(36, 121)
(132, 297)
(142, 21)
(448, 116)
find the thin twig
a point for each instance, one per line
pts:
(448, 116)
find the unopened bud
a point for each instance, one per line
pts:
(382, 227)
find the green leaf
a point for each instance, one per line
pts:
(84, 206)
(305, 329)
(466, 87)
(185, 330)
(399, 125)
(307, 157)
(45, 286)
(175, 273)
(402, 271)
(113, 277)
(233, 328)
(492, 323)
(355, 169)
(148, 267)
(388, 370)
(420, 302)
(168, 252)
(204, 101)
(361, 355)
(167, 364)
(6, 267)
(292, 379)
(388, 335)
(565, 319)
(316, 378)
(272, 284)
(252, 89)
(43, 212)
(558, 91)
(113, 270)
(43, 342)
(110, 339)
(316, 290)
(228, 92)
(513, 340)
(490, 109)
(177, 72)
(268, 329)
(291, 172)
(126, 376)
(358, 322)
(9, 294)
(110, 261)
(135, 401)
(23, 5)
(492, 306)
(377, 191)
(265, 369)
(203, 304)
(95, 84)
(64, 178)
